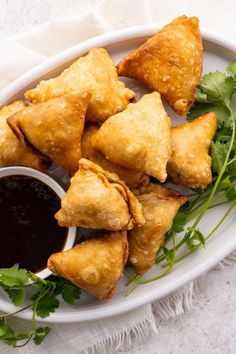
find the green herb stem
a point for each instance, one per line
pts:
(145, 281)
(220, 222)
(207, 237)
(27, 306)
(133, 284)
(194, 214)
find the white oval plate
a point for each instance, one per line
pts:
(218, 52)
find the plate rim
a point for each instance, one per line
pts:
(59, 59)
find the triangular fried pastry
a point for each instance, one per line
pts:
(190, 162)
(131, 177)
(160, 205)
(98, 199)
(53, 129)
(138, 137)
(12, 151)
(170, 62)
(95, 265)
(94, 72)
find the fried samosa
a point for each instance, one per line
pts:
(94, 72)
(98, 199)
(95, 265)
(131, 177)
(170, 62)
(13, 152)
(53, 129)
(190, 162)
(160, 205)
(138, 137)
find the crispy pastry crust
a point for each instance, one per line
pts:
(138, 137)
(190, 162)
(98, 199)
(131, 177)
(170, 62)
(94, 265)
(53, 129)
(12, 151)
(160, 206)
(96, 73)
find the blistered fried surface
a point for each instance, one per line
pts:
(138, 137)
(131, 177)
(94, 265)
(97, 199)
(94, 72)
(170, 62)
(190, 162)
(160, 206)
(53, 129)
(13, 152)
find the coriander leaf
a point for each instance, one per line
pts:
(198, 109)
(231, 68)
(231, 195)
(212, 84)
(225, 183)
(196, 239)
(218, 87)
(218, 154)
(40, 334)
(229, 90)
(8, 336)
(47, 304)
(70, 293)
(169, 255)
(6, 333)
(224, 132)
(177, 226)
(232, 166)
(13, 276)
(57, 282)
(17, 296)
(179, 222)
(200, 96)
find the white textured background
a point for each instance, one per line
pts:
(211, 327)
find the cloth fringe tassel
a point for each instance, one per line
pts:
(141, 331)
(175, 304)
(227, 262)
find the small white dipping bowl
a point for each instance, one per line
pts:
(30, 172)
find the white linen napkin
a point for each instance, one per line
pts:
(21, 52)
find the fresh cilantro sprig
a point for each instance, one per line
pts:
(214, 94)
(14, 281)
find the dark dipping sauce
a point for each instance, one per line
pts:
(29, 233)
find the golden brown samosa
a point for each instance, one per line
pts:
(98, 199)
(138, 137)
(53, 129)
(131, 177)
(170, 62)
(160, 205)
(95, 265)
(190, 162)
(94, 72)
(12, 151)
